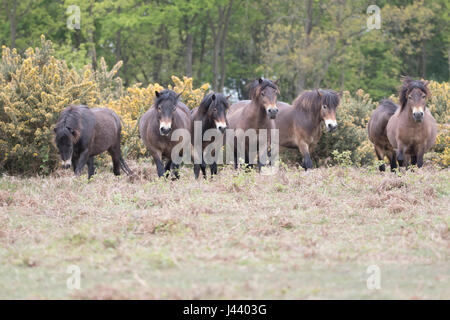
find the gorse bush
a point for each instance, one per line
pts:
(353, 114)
(34, 88)
(440, 100)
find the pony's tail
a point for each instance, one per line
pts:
(125, 167)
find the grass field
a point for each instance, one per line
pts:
(241, 235)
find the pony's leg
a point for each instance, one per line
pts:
(392, 161)
(84, 156)
(235, 160)
(174, 169)
(400, 157)
(168, 166)
(159, 165)
(213, 168)
(91, 168)
(420, 160)
(74, 162)
(413, 160)
(115, 156)
(380, 157)
(196, 170)
(407, 161)
(203, 167)
(304, 150)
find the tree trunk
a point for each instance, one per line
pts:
(424, 60)
(12, 15)
(189, 51)
(91, 33)
(202, 50)
(215, 64)
(222, 46)
(219, 34)
(300, 82)
(119, 40)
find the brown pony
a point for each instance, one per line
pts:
(82, 133)
(257, 113)
(299, 125)
(212, 115)
(157, 124)
(377, 132)
(412, 129)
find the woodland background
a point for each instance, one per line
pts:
(306, 44)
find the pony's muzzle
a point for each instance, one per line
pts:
(331, 125)
(165, 128)
(65, 164)
(221, 126)
(272, 112)
(418, 116)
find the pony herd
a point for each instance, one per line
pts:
(402, 133)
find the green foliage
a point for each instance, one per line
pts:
(343, 158)
(352, 116)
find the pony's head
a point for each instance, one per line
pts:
(166, 104)
(329, 101)
(215, 106)
(413, 95)
(264, 92)
(67, 134)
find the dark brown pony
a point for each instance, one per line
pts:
(377, 132)
(212, 115)
(412, 129)
(157, 125)
(299, 125)
(257, 113)
(82, 133)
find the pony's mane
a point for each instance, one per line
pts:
(312, 101)
(409, 85)
(256, 87)
(207, 101)
(69, 120)
(167, 95)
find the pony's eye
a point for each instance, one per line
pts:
(409, 97)
(263, 94)
(215, 110)
(324, 106)
(423, 97)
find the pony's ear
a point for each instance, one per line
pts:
(228, 97)
(260, 80)
(213, 97)
(276, 85)
(426, 83)
(319, 93)
(157, 94)
(406, 79)
(179, 95)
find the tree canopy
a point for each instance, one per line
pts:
(305, 44)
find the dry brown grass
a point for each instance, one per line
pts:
(241, 235)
